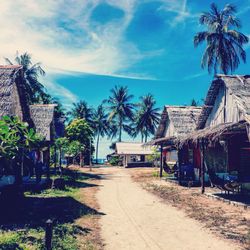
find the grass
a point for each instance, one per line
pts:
(23, 222)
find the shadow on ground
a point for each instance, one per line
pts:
(33, 211)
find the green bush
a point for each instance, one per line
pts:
(115, 161)
(10, 242)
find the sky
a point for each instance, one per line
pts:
(88, 46)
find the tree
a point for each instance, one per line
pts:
(224, 42)
(101, 125)
(121, 109)
(146, 118)
(79, 130)
(62, 144)
(34, 89)
(16, 141)
(81, 110)
(194, 103)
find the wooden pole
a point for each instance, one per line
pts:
(90, 155)
(179, 166)
(48, 234)
(202, 168)
(161, 165)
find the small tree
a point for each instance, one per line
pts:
(62, 144)
(16, 140)
(79, 130)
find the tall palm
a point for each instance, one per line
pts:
(146, 118)
(121, 109)
(224, 48)
(101, 125)
(34, 89)
(82, 110)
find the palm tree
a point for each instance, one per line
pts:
(146, 118)
(224, 48)
(101, 126)
(121, 109)
(82, 110)
(34, 89)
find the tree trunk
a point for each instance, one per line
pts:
(120, 133)
(81, 159)
(97, 147)
(146, 137)
(142, 137)
(60, 161)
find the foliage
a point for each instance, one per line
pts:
(16, 137)
(101, 125)
(224, 42)
(79, 130)
(115, 160)
(81, 110)
(74, 148)
(155, 156)
(146, 118)
(34, 89)
(121, 110)
(10, 241)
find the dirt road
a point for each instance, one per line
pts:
(136, 219)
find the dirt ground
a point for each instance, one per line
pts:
(136, 219)
(222, 219)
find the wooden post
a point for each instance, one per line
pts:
(48, 234)
(90, 155)
(161, 165)
(202, 168)
(179, 166)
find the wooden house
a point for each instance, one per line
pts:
(133, 154)
(222, 134)
(176, 122)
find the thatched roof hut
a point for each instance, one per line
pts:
(175, 123)
(13, 99)
(226, 109)
(43, 118)
(230, 92)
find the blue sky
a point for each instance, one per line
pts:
(87, 47)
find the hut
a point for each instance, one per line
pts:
(42, 116)
(133, 154)
(13, 99)
(222, 133)
(176, 122)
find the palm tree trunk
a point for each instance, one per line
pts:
(120, 130)
(97, 147)
(146, 137)
(142, 137)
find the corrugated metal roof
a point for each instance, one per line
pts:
(133, 148)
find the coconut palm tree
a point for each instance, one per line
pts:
(224, 43)
(101, 125)
(146, 118)
(81, 110)
(121, 109)
(34, 89)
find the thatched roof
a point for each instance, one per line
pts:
(13, 99)
(133, 148)
(239, 87)
(183, 118)
(215, 133)
(42, 116)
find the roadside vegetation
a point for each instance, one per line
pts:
(23, 221)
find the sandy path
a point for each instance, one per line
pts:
(136, 219)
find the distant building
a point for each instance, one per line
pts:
(133, 153)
